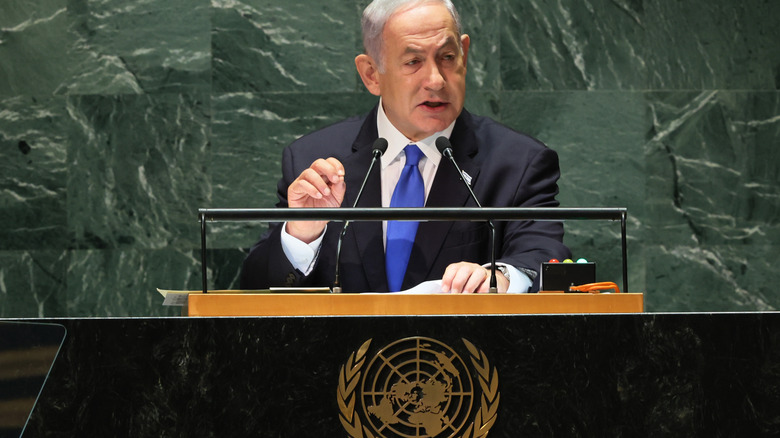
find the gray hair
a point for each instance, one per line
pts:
(375, 17)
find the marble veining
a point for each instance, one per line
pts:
(119, 120)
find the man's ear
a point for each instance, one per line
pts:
(465, 42)
(368, 72)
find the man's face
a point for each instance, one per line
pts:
(424, 81)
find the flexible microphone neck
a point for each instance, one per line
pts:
(379, 148)
(444, 146)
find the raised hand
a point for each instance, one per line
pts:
(321, 185)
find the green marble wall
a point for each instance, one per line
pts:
(118, 120)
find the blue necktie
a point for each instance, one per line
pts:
(409, 192)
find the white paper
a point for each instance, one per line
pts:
(181, 297)
(174, 297)
(426, 287)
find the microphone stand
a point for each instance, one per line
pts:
(380, 146)
(443, 144)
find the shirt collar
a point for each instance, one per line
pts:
(396, 142)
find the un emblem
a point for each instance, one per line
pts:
(417, 387)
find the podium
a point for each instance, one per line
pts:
(319, 304)
(558, 375)
(630, 374)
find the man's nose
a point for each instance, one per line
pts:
(434, 78)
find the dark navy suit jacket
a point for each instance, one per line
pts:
(507, 168)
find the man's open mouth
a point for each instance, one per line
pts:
(433, 104)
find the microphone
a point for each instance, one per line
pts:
(444, 146)
(379, 148)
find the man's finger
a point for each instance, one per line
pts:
(311, 183)
(330, 170)
(463, 277)
(477, 278)
(301, 189)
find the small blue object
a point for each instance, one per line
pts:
(582, 261)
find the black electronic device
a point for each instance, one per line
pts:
(558, 276)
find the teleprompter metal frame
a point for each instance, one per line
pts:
(422, 214)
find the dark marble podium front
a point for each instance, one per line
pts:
(559, 375)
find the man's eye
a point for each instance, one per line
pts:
(413, 62)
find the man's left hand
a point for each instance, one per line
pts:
(467, 278)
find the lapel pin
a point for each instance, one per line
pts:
(466, 177)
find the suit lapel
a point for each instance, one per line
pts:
(446, 191)
(367, 235)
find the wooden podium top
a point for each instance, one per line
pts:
(225, 304)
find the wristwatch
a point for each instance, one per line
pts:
(503, 270)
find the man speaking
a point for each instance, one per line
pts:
(415, 60)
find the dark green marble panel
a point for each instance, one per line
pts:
(572, 45)
(139, 47)
(124, 282)
(94, 47)
(685, 276)
(640, 45)
(249, 132)
(478, 20)
(34, 134)
(33, 283)
(277, 45)
(714, 167)
(712, 44)
(713, 200)
(483, 103)
(35, 39)
(140, 177)
(16, 13)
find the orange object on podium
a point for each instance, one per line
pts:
(322, 304)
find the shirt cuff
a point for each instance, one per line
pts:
(301, 254)
(519, 281)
